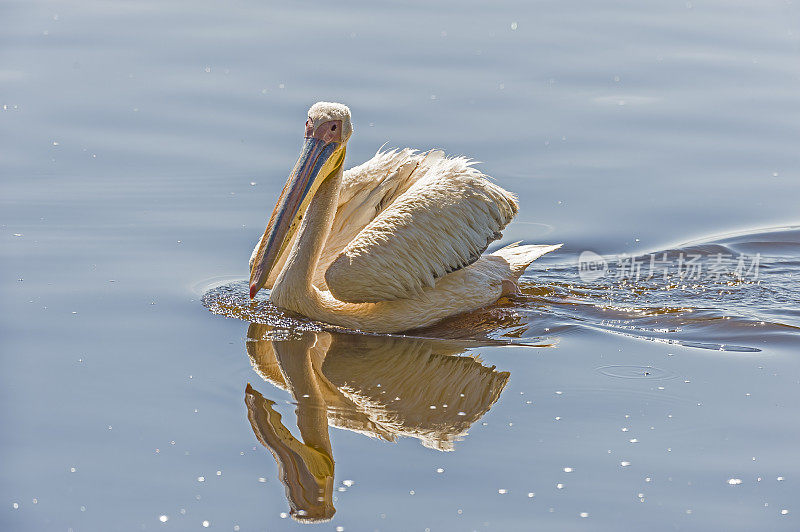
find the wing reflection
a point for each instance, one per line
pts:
(383, 387)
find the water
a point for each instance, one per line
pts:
(144, 145)
(738, 288)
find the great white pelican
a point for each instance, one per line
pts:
(391, 245)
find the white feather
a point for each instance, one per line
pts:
(396, 243)
(443, 222)
(367, 190)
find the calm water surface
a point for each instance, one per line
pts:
(144, 143)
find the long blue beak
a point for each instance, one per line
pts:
(288, 213)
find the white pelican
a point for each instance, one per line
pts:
(391, 245)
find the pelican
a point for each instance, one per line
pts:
(391, 245)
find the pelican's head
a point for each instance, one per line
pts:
(332, 114)
(328, 129)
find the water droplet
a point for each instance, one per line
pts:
(734, 481)
(784, 511)
(440, 470)
(163, 518)
(624, 463)
(284, 515)
(584, 514)
(502, 491)
(201, 479)
(568, 470)
(262, 479)
(531, 495)
(206, 524)
(514, 26)
(348, 483)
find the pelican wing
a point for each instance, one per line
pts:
(367, 190)
(443, 222)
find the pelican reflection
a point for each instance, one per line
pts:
(382, 387)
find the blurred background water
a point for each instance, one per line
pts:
(144, 143)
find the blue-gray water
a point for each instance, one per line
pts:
(143, 144)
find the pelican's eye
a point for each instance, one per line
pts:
(309, 127)
(330, 131)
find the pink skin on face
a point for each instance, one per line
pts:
(330, 131)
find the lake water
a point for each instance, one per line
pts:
(144, 144)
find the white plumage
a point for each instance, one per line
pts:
(394, 243)
(375, 250)
(392, 258)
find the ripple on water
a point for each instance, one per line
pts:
(713, 312)
(231, 299)
(718, 314)
(636, 372)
